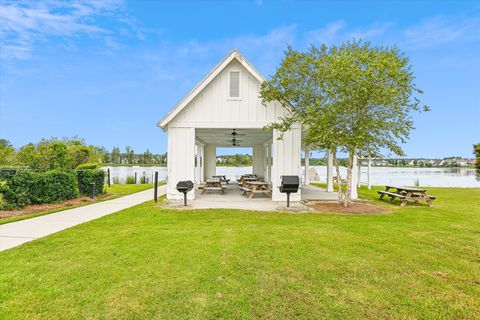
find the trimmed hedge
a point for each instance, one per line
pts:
(88, 176)
(85, 166)
(27, 187)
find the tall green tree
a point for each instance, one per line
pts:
(116, 155)
(7, 153)
(476, 152)
(129, 153)
(28, 156)
(356, 98)
(147, 157)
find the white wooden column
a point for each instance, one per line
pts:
(307, 166)
(359, 162)
(354, 180)
(286, 161)
(210, 161)
(202, 163)
(329, 171)
(181, 160)
(258, 165)
(268, 162)
(266, 175)
(197, 163)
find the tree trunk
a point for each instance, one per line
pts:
(339, 180)
(348, 192)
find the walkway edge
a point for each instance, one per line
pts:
(16, 233)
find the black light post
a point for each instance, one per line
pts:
(155, 186)
(92, 190)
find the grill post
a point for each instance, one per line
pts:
(155, 191)
(184, 187)
(288, 185)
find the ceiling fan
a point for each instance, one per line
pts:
(235, 133)
(235, 142)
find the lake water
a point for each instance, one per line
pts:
(433, 177)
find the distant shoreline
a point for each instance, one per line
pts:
(249, 165)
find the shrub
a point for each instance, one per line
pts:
(96, 176)
(90, 166)
(26, 186)
(29, 187)
(143, 180)
(131, 180)
(59, 186)
(115, 180)
(7, 197)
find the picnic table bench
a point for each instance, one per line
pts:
(254, 187)
(213, 185)
(406, 194)
(223, 178)
(247, 177)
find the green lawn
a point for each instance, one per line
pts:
(114, 191)
(150, 263)
(119, 190)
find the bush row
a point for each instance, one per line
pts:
(26, 187)
(86, 177)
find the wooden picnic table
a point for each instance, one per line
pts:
(222, 177)
(244, 179)
(254, 187)
(248, 175)
(406, 194)
(213, 185)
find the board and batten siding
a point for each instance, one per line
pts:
(214, 108)
(181, 160)
(286, 155)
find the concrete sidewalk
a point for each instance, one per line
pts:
(16, 233)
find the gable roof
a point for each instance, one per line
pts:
(234, 54)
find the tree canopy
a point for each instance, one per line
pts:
(355, 97)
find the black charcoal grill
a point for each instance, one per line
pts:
(288, 185)
(184, 187)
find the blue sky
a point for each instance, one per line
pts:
(109, 70)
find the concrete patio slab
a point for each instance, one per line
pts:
(232, 199)
(315, 193)
(16, 233)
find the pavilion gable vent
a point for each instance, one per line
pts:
(234, 84)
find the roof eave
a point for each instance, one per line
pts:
(233, 54)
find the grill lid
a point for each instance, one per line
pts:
(184, 186)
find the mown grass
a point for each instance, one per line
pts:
(147, 262)
(114, 191)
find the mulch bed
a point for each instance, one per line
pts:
(48, 206)
(356, 208)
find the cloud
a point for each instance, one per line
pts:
(328, 34)
(179, 60)
(339, 31)
(369, 33)
(24, 24)
(440, 30)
